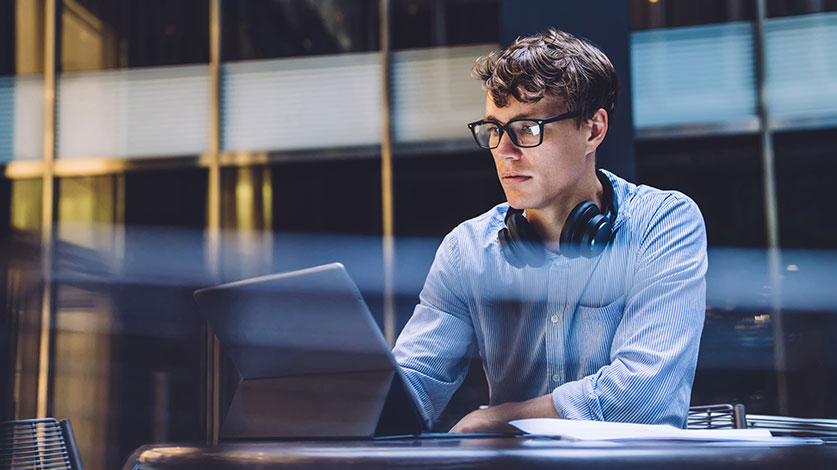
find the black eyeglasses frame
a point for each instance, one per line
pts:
(504, 128)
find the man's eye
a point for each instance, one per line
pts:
(531, 130)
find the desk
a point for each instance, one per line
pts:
(500, 453)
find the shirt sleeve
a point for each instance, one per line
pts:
(435, 347)
(655, 348)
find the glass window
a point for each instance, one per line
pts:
(246, 221)
(805, 172)
(330, 210)
(435, 23)
(140, 111)
(21, 80)
(434, 95)
(330, 197)
(161, 335)
(20, 286)
(732, 205)
(777, 8)
(102, 34)
(301, 103)
(86, 248)
(469, 178)
(7, 38)
(127, 357)
(800, 67)
(694, 76)
(21, 37)
(290, 28)
(653, 14)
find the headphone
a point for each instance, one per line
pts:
(586, 232)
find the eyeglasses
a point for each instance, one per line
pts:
(525, 133)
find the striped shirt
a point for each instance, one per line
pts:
(614, 338)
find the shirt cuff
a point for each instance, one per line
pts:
(576, 400)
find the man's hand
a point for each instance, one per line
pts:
(484, 420)
(496, 418)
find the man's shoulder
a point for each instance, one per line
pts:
(475, 238)
(637, 205)
(483, 226)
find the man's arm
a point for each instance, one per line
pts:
(654, 351)
(435, 347)
(496, 418)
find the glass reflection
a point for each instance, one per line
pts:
(288, 28)
(101, 34)
(438, 23)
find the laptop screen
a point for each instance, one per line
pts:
(310, 359)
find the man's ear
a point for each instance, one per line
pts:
(598, 129)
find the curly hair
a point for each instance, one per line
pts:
(555, 63)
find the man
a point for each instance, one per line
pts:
(610, 335)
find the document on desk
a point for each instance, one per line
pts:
(603, 431)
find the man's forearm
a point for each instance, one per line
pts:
(540, 407)
(496, 418)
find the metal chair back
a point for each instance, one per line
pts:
(717, 417)
(38, 444)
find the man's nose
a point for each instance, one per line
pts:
(506, 149)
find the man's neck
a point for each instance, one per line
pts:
(549, 221)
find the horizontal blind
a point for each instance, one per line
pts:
(433, 93)
(21, 117)
(802, 67)
(301, 103)
(693, 75)
(144, 112)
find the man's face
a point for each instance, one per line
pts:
(542, 176)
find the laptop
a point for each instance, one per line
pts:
(310, 359)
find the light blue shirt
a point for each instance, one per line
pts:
(614, 338)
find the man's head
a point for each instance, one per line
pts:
(553, 63)
(542, 77)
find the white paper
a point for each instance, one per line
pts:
(603, 431)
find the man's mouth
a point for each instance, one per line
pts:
(512, 178)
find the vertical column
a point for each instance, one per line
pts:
(213, 229)
(386, 177)
(607, 24)
(47, 235)
(770, 208)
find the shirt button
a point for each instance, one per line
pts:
(555, 378)
(554, 318)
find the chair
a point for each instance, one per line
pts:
(38, 444)
(717, 417)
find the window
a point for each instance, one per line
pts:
(291, 28)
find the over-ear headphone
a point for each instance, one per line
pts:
(586, 232)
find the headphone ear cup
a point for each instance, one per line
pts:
(594, 238)
(570, 242)
(519, 242)
(599, 241)
(509, 251)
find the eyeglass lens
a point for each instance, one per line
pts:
(522, 133)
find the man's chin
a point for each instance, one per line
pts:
(519, 204)
(519, 201)
(514, 199)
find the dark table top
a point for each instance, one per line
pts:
(493, 452)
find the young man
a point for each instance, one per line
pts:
(580, 311)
